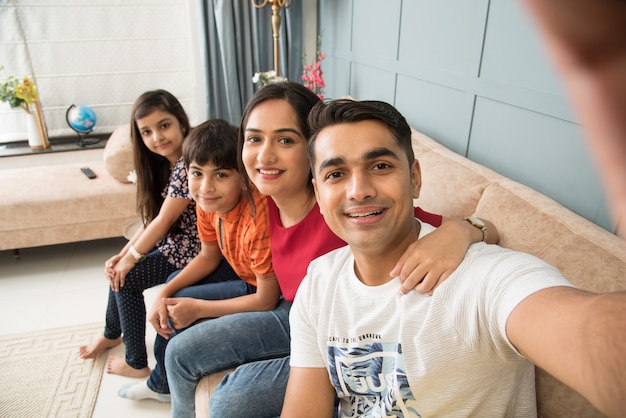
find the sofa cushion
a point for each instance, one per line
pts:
(451, 185)
(62, 195)
(118, 154)
(55, 204)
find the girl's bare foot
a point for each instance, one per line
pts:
(118, 365)
(97, 346)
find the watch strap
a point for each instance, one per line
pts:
(477, 223)
(136, 254)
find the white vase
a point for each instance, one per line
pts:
(35, 141)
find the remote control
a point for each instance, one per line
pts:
(87, 171)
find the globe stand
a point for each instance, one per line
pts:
(80, 142)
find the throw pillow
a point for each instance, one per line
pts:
(118, 154)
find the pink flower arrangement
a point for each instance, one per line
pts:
(312, 75)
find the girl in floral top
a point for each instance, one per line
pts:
(168, 239)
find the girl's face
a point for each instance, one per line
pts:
(162, 134)
(275, 151)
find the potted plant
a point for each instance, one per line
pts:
(23, 93)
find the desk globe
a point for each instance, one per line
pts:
(82, 119)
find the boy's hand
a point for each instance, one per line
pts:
(182, 311)
(159, 320)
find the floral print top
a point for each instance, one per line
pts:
(183, 245)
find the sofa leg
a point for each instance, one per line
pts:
(16, 253)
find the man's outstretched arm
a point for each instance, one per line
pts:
(579, 338)
(309, 394)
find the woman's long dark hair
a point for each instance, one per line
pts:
(301, 100)
(152, 169)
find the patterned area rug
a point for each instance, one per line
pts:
(41, 374)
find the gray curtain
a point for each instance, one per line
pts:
(236, 42)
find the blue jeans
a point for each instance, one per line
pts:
(223, 283)
(223, 343)
(259, 385)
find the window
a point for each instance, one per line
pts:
(102, 55)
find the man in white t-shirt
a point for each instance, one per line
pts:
(465, 351)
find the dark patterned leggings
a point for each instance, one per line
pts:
(126, 309)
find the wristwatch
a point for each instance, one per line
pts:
(475, 222)
(136, 254)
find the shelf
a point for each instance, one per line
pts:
(56, 145)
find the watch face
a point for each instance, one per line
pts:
(476, 222)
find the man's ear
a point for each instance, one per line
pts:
(317, 197)
(416, 179)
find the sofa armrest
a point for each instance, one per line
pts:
(204, 389)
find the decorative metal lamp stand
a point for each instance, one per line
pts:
(276, 6)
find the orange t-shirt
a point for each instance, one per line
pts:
(244, 239)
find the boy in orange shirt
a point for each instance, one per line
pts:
(232, 226)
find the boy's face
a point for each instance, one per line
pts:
(214, 189)
(365, 186)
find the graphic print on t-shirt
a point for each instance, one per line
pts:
(370, 379)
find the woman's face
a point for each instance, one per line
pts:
(275, 151)
(162, 134)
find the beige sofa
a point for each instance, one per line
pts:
(55, 204)
(587, 255)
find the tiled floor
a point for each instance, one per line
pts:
(62, 285)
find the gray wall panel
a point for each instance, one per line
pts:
(368, 82)
(436, 109)
(340, 68)
(434, 59)
(513, 53)
(542, 152)
(426, 25)
(336, 30)
(376, 35)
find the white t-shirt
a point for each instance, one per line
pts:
(417, 356)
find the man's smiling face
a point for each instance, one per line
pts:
(365, 185)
